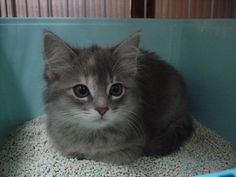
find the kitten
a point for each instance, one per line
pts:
(113, 104)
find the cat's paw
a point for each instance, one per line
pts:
(76, 155)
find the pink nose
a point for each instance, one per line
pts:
(102, 110)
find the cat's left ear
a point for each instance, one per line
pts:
(127, 51)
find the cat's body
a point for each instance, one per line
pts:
(113, 104)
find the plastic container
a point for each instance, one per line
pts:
(225, 173)
(204, 51)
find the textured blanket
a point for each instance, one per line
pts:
(28, 153)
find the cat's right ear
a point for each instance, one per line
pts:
(57, 55)
(127, 52)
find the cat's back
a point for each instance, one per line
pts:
(163, 91)
(164, 105)
(157, 77)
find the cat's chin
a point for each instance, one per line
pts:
(98, 123)
(101, 119)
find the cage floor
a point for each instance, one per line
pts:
(28, 153)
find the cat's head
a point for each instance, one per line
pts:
(92, 87)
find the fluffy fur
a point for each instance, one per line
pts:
(150, 118)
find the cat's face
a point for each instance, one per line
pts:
(92, 87)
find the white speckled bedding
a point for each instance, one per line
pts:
(28, 153)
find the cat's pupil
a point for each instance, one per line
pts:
(81, 91)
(116, 89)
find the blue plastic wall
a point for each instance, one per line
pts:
(204, 51)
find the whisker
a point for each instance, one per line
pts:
(132, 120)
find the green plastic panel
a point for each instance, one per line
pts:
(204, 51)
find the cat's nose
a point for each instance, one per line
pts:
(102, 110)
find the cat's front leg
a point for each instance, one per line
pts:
(121, 157)
(72, 152)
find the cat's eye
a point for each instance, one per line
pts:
(81, 91)
(116, 90)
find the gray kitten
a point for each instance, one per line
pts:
(113, 104)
